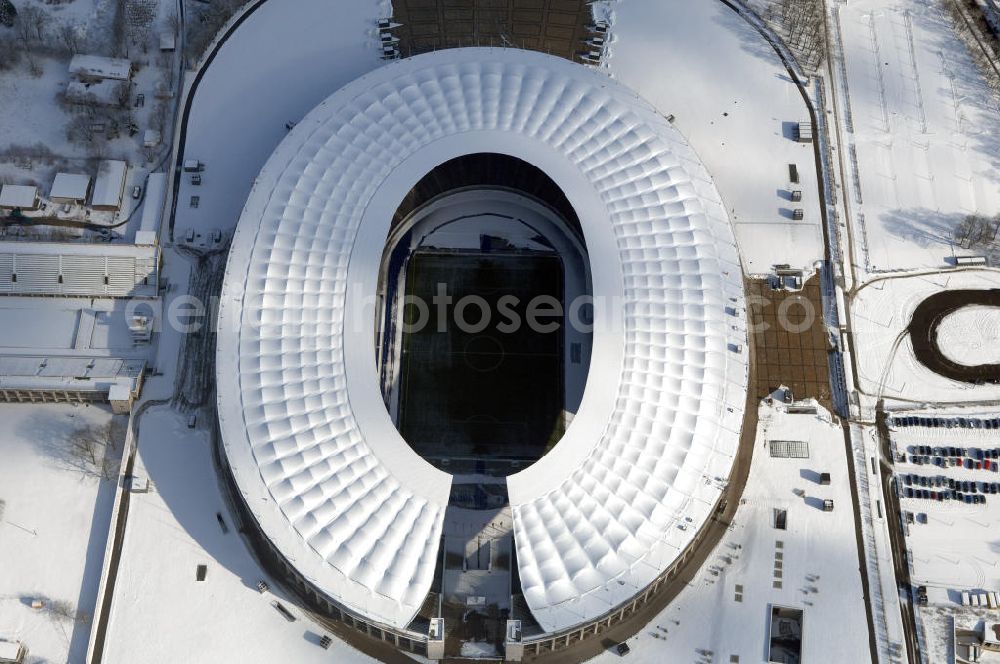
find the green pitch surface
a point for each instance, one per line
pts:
(495, 394)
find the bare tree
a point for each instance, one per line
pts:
(70, 38)
(80, 130)
(10, 53)
(93, 448)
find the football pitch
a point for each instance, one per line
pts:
(495, 394)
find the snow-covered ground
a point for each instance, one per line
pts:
(921, 133)
(53, 520)
(885, 363)
(160, 610)
(971, 335)
(812, 565)
(735, 103)
(249, 93)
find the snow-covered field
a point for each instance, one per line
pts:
(53, 521)
(971, 335)
(812, 565)
(159, 609)
(921, 133)
(249, 93)
(885, 364)
(735, 103)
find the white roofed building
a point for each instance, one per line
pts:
(70, 188)
(109, 186)
(152, 209)
(96, 67)
(18, 197)
(326, 477)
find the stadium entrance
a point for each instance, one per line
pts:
(484, 325)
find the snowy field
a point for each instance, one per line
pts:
(249, 93)
(971, 335)
(159, 608)
(880, 313)
(922, 133)
(53, 523)
(735, 103)
(812, 565)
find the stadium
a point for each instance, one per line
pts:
(527, 488)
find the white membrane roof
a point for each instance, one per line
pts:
(310, 443)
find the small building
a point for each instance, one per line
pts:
(70, 188)
(152, 209)
(150, 138)
(104, 92)
(109, 186)
(804, 132)
(98, 67)
(168, 42)
(18, 197)
(12, 652)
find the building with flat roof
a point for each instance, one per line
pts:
(109, 186)
(71, 188)
(96, 67)
(18, 197)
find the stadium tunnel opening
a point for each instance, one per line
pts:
(483, 324)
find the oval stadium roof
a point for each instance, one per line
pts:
(311, 446)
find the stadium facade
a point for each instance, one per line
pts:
(333, 491)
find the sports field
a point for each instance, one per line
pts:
(495, 394)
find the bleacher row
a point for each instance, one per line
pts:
(117, 271)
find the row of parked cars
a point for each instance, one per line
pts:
(945, 494)
(945, 422)
(942, 488)
(970, 458)
(969, 486)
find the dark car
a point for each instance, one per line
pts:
(622, 649)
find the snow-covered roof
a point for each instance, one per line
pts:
(78, 374)
(10, 650)
(103, 93)
(152, 208)
(98, 66)
(70, 187)
(18, 196)
(308, 437)
(109, 184)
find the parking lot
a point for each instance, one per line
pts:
(947, 475)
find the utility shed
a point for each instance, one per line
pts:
(168, 42)
(19, 196)
(71, 188)
(95, 67)
(109, 187)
